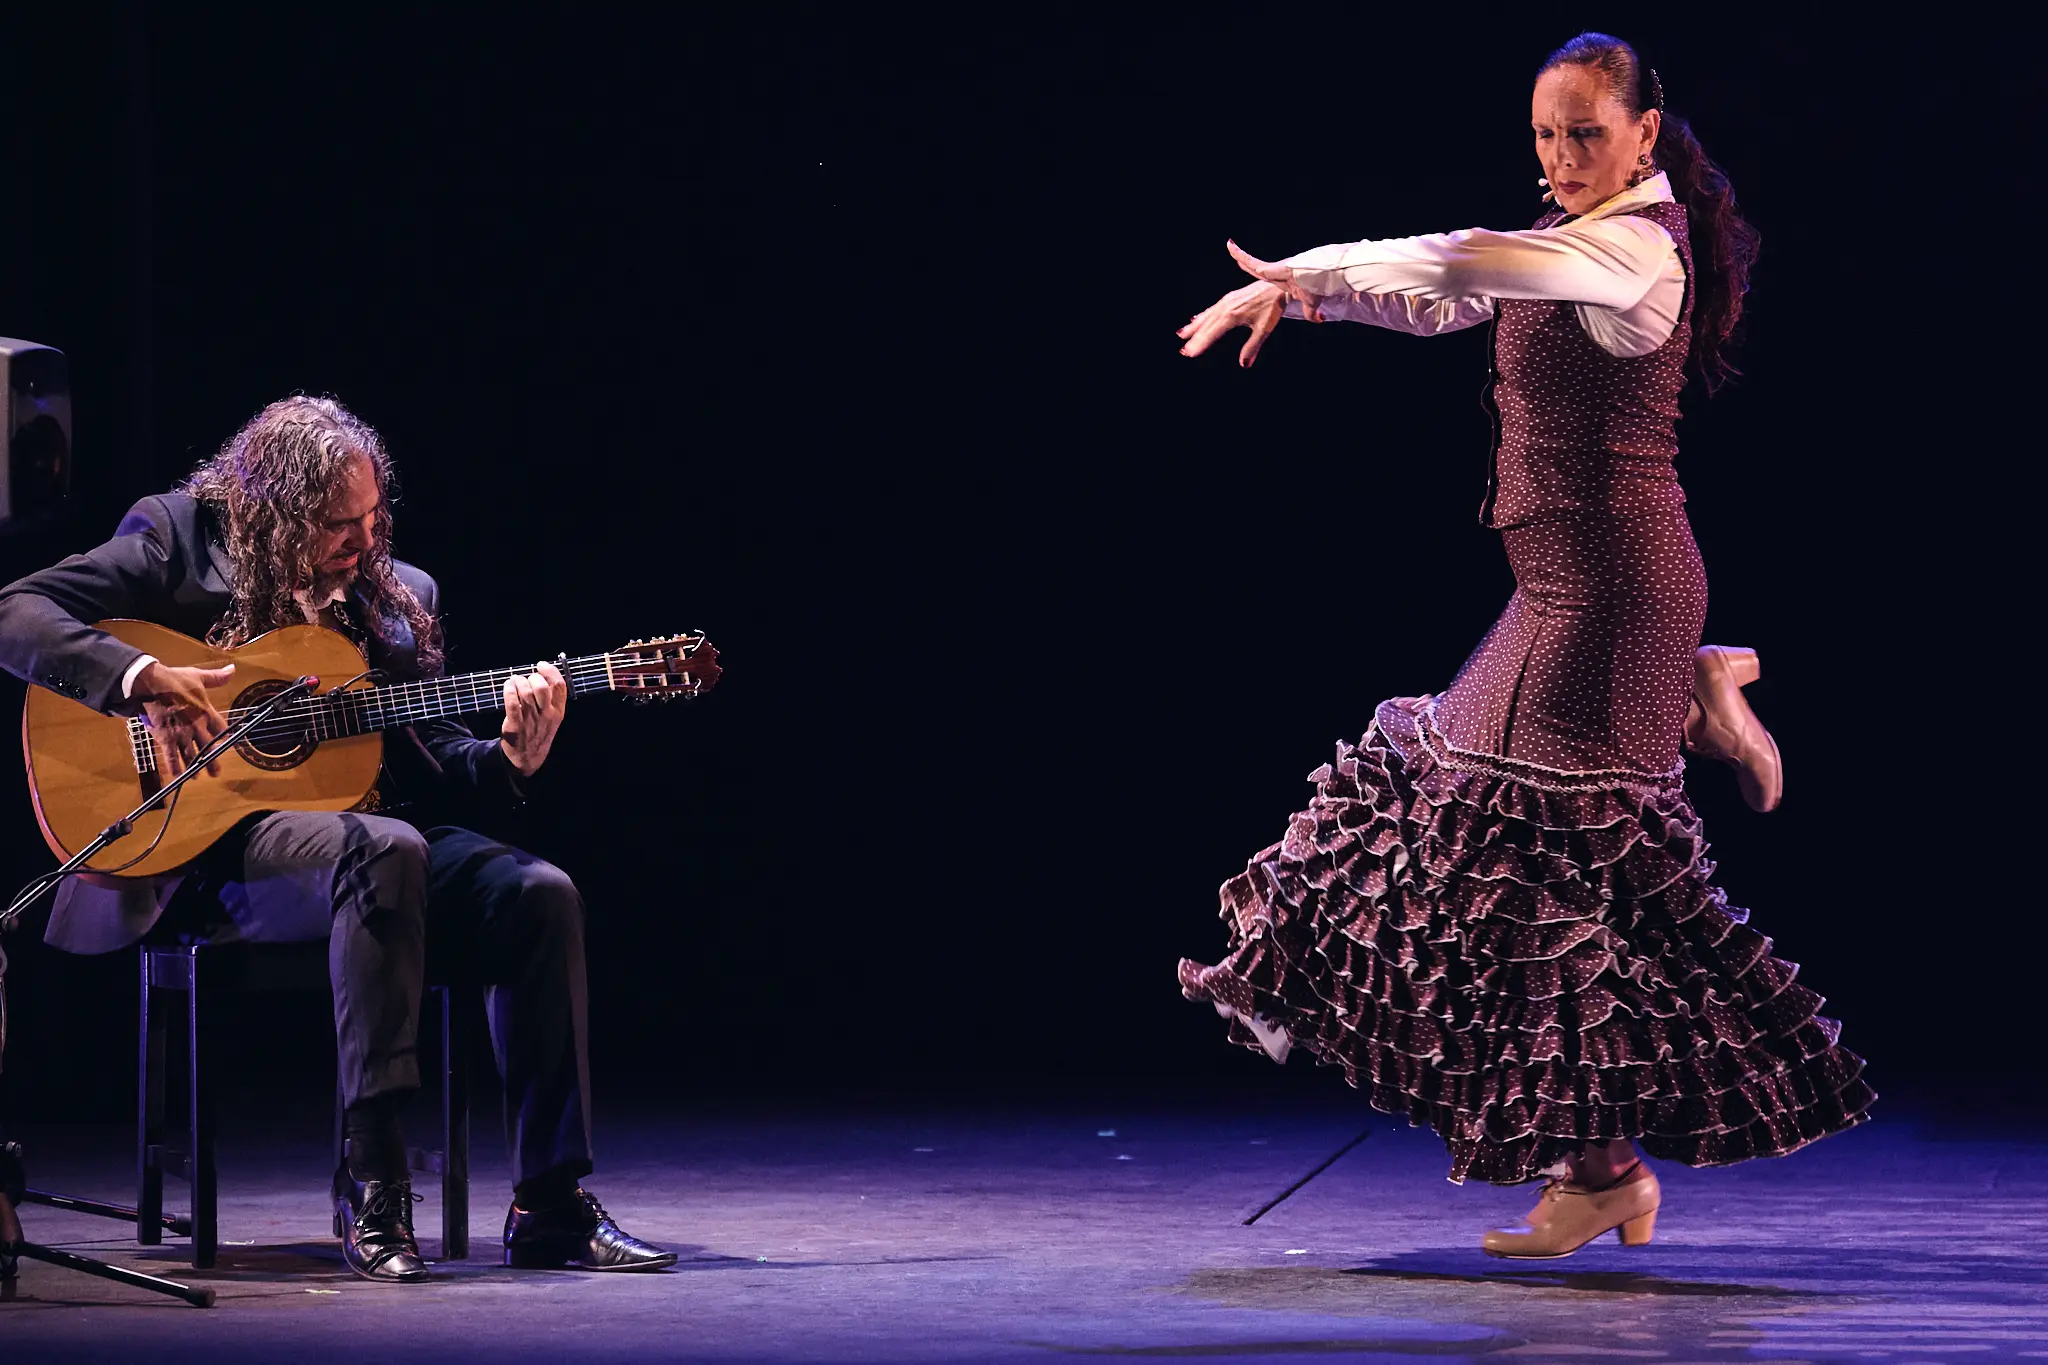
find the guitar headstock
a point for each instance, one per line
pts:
(664, 669)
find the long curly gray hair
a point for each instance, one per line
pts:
(270, 486)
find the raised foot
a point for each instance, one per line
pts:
(1742, 663)
(1719, 725)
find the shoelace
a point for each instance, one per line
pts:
(1563, 1186)
(379, 1204)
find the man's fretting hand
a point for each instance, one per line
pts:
(534, 707)
(1259, 306)
(175, 706)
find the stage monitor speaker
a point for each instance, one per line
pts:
(35, 431)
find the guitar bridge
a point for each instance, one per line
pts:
(144, 747)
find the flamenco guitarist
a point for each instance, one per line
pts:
(291, 523)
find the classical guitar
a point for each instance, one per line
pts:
(320, 752)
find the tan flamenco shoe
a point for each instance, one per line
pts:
(1719, 725)
(1568, 1216)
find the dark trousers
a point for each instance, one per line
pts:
(395, 906)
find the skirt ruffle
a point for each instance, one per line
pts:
(1525, 961)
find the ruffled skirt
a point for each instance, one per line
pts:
(1525, 961)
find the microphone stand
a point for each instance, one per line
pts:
(14, 1189)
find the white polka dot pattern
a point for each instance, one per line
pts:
(1582, 430)
(1590, 667)
(1498, 915)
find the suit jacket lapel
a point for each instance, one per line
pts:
(217, 573)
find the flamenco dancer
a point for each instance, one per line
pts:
(1498, 915)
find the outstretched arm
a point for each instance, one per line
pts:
(1401, 312)
(1604, 262)
(1441, 282)
(1279, 292)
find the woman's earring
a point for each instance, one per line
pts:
(1549, 194)
(1643, 171)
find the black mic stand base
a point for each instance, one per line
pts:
(14, 1247)
(175, 1224)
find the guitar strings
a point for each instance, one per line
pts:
(429, 698)
(296, 721)
(578, 671)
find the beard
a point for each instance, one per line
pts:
(333, 583)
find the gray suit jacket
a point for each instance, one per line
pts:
(167, 564)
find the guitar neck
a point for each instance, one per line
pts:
(362, 710)
(643, 670)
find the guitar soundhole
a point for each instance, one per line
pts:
(277, 744)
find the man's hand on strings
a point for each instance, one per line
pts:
(181, 716)
(1259, 306)
(534, 707)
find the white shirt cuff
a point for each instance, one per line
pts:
(134, 672)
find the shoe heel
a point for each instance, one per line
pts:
(1636, 1231)
(1742, 664)
(340, 1223)
(533, 1258)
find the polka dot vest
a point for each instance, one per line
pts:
(1580, 429)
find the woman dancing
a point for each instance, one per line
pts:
(1497, 915)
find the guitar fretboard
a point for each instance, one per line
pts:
(359, 711)
(364, 710)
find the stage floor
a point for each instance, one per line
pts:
(935, 1231)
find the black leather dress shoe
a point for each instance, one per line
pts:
(578, 1235)
(373, 1218)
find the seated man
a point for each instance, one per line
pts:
(291, 523)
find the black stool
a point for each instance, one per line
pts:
(175, 967)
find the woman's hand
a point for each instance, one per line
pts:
(1259, 306)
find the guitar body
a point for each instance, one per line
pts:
(84, 775)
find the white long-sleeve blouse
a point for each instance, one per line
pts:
(1620, 269)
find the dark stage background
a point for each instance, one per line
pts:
(849, 340)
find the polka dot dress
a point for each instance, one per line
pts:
(1498, 915)
(1590, 667)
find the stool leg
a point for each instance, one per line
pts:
(149, 1117)
(199, 1111)
(454, 1132)
(340, 1144)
